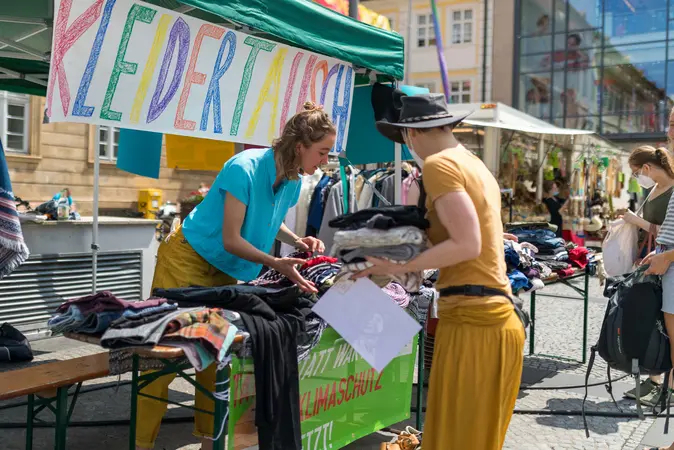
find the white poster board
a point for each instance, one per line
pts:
(368, 319)
(130, 64)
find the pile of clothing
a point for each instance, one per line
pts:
(554, 254)
(320, 270)
(93, 314)
(524, 272)
(394, 233)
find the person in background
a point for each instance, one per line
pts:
(478, 355)
(554, 202)
(64, 196)
(228, 238)
(651, 168)
(660, 261)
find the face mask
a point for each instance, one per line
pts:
(417, 158)
(645, 181)
(555, 193)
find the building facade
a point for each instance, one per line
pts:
(600, 65)
(468, 54)
(45, 158)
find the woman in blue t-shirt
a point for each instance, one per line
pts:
(228, 237)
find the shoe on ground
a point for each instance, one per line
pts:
(645, 388)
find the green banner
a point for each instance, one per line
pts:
(342, 398)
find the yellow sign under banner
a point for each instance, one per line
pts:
(196, 154)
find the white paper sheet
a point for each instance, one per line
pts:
(368, 319)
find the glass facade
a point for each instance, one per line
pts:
(601, 65)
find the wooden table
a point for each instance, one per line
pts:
(169, 356)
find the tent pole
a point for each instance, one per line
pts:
(94, 232)
(398, 174)
(541, 169)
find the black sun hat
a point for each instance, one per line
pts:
(394, 111)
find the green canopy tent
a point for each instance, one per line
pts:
(26, 30)
(26, 36)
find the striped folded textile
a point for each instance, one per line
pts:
(13, 249)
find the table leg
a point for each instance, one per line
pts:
(420, 381)
(221, 407)
(30, 417)
(532, 322)
(61, 418)
(134, 402)
(586, 299)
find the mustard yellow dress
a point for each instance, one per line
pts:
(477, 362)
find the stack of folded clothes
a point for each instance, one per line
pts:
(394, 233)
(93, 314)
(523, 270)
(554, 254)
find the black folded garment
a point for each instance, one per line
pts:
(382, 218)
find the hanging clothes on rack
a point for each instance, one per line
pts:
(296, 219)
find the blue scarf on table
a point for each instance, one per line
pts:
(13, 249)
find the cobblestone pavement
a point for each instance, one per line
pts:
(558, 332)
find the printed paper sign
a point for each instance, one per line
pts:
(130, 64)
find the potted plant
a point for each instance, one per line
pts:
(188, 203)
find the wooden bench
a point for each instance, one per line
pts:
(47, 385)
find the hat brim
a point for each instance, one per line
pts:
(393, 131)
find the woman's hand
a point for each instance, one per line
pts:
(659, 264)
(630, 217)
(380, 267)
(288, 267)
(510, 237)
(310, 244)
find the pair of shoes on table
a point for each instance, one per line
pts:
(407, 440)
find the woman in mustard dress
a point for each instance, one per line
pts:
(477, 362)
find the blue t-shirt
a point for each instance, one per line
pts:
(57, 197)
(249, 176)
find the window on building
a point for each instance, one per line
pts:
(430, 85)
(425, 31)
(14, 119)
(462, 26)
(460, 91)
(108, 143)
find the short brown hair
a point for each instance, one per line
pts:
(658, 157)
(306, 127)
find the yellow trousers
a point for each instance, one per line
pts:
(475, 377)
(178, 265)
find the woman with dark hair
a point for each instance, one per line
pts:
(554, 202)
(229, 236)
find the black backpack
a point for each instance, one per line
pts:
(633, 337)
(14, 346)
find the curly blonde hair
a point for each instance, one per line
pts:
(306, 127)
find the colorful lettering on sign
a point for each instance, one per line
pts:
(256, 45)
(340, 113)
(64, 39)
(150, 66)
(78, 107)
(194, 77)
(304, 89)
(272, 82)
(180, 35)
(213, 94)
(323, 67)
(289, 90)
(333, 71)
(136, 13)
